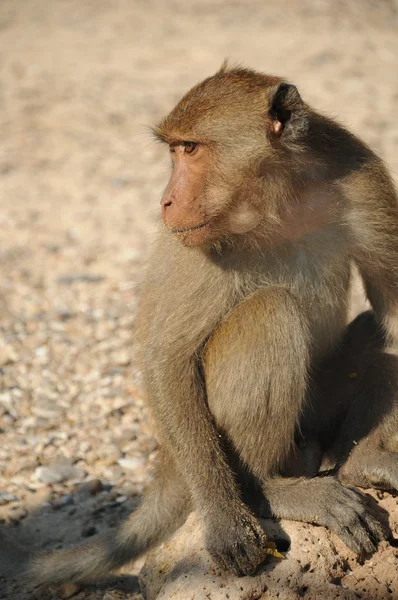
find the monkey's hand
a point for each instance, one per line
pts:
(237, 542)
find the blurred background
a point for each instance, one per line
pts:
(81, 81)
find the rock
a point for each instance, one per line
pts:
(79, 278)
(122, 358)
(132, 489)
(131, 463)
(90, 488)
(6, 399)
(89, 531)
(64, 314)
(35, 499)
(5, 498)
(121, 499)
(58, 473)
(67, 590)
(91, 457)
(46, 410)
(61, 502)
(148, 445)
(17, 513)
(8, 356)
(182, 568)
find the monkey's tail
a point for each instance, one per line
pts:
(154, 520)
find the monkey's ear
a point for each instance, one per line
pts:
(287, 110)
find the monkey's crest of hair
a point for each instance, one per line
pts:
(226, 66)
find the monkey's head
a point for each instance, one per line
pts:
(226, 137)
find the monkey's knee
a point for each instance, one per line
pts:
(364, 332)
(370, 466)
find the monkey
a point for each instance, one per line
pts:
(268, 207)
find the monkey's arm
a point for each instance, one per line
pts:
(177, 397)
(373, 220)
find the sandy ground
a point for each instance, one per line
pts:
(80, 181)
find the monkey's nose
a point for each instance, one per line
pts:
(165, 203)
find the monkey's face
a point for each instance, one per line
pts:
(218, 135)
(203, 202)
(184, 210)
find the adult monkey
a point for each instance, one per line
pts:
(267, 206)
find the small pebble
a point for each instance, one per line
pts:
(62, 501)
(121, 499)
(17, 513)
(7, 356)
(89, 531)
(91, 488)
(58, 473)
(67, 590)
(122, 359)
(131, 463)
(5, 498)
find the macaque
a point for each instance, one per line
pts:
(268, 207)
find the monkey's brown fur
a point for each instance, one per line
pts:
(269, 204)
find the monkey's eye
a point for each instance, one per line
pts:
(190, 147)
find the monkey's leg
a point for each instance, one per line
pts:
(367, 447)
(256, 366)
(163, 510)
(369, 465)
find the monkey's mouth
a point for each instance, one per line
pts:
(188, 229)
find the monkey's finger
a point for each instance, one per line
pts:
(220, 561)
(229, 561)
(234, 565)
(349, 528)
(246, 564)
(365, 541)
(367, 515)
(356, 538)
(376, 530)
